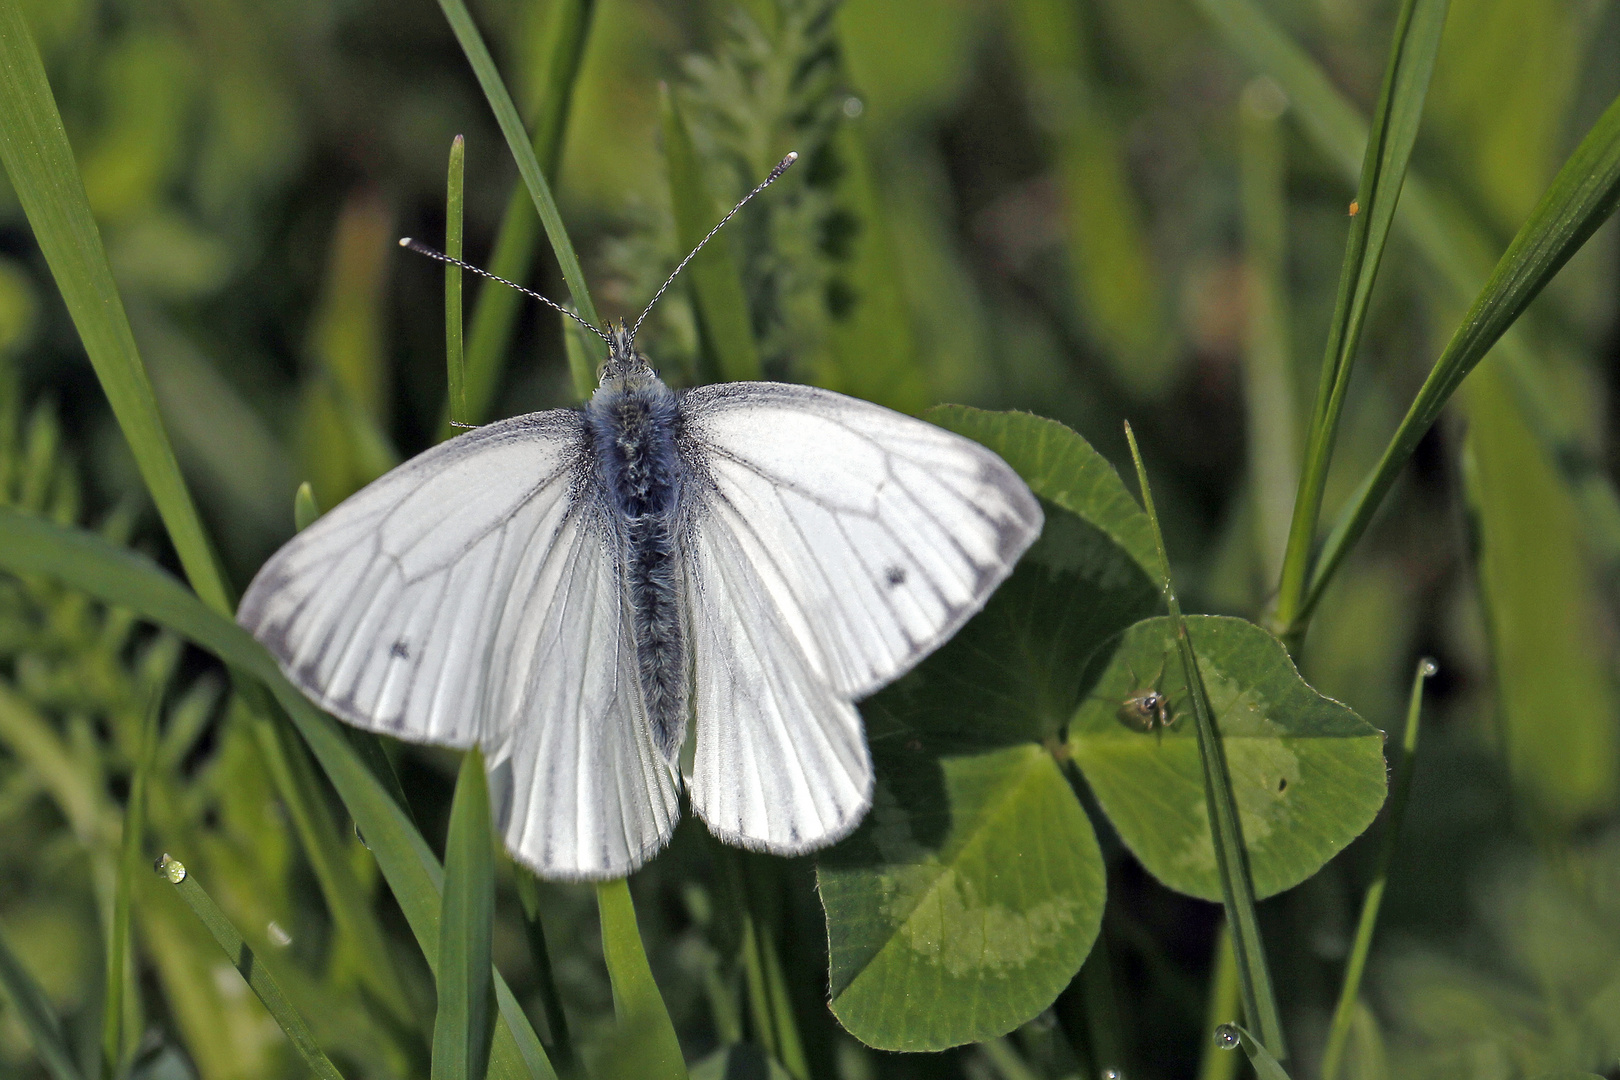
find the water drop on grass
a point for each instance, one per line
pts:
(171, 868)
(1227, 1038)
(1428, 667)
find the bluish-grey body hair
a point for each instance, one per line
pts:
(633, 422)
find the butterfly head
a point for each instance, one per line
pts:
(623, 360)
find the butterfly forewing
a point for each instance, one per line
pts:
(876, 535)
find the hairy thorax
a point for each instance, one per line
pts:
(633, 421)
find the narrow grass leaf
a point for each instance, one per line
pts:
(722, 309)
(560, 1044)
(45, 176)
(1217, 1061)
(1231, 856)
(1271, 407)
(305, 508)
(1451, 243)
(1232, 1036)
(644, 1042)
(517, 139)
(1400, 789)
(114, 1038)
(1583, 195)
(1415, 44)
(34, 1011)
(119, 577)
(549, 97)
(463, 1025)
(252, 970)
(455, 360)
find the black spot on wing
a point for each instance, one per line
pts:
(400, 650)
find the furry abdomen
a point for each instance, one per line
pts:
(633, 424)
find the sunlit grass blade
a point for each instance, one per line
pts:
(1415, 44)
(115, 1040)
(1222, 1008)
(1231, 856)
(34, 1011)
(461, 1030)
(722, 309)
(1583, 195)
(252, 970)
(549, 97)
(45, 176)
(1400, 788)
(305, 508)
(117, 576)
(1231, 1036)
(646, 1044)
(455, 361)
(506, 115)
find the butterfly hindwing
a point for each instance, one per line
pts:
(474, 595)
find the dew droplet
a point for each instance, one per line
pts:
(1227, 1037)
(171, 868)
(278, 935)
(1112, 1074)
(1428, 667)
(853, 106)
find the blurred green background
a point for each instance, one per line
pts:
(1090, 209)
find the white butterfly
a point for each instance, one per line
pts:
(568, 589)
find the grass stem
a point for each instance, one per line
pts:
(1231, 856)
(1400, 789)
(455, 359)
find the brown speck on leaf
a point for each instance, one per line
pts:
(1355, 207)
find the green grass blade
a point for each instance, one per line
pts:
(1400, 788)
(454, 359)
(1415, 44)
(43, 172)
(1268, 376)
(305, 508)
(549, 98)
(1457, 249)
(252, 970)
(722, 309)
(34, 1011)
(462, 1028)
(119, 577)
(646, 1042)
(506, 115)
(561, 1046)
(1583, 195)
(1222, 1008)
(1232, 1036)
(1231, 856)
(114, 1038)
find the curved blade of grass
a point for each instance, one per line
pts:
(645, 1041)
(561, 1045)
(1582, 197)
(45, 176)
(119, 577)
(1221, 1008)
(454, 359)
(549, 98)
(1455, 247)
(722, 309)
(1237, 888)
(1231, 1036)
(253, 972)
(305, 508)
(37, 1018)
(506, 115)
(1399, 789)
(114, 1039)
(1413, 48)
(462, 1028)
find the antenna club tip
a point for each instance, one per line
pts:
(782, 166)
(404, 241)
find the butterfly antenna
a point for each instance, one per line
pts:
(422, 249)
(781, 167)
